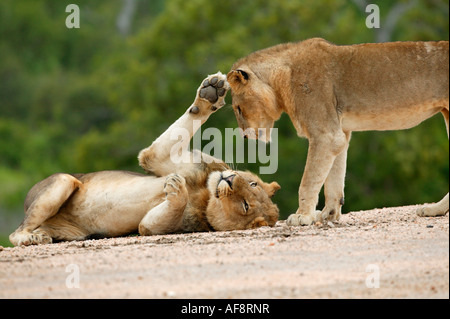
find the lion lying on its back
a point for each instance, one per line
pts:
(179, 197)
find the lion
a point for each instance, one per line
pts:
(329, 91)
(178, 196)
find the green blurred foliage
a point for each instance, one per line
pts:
(79, 100)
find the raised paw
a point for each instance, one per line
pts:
(211, 94)
(213, 87)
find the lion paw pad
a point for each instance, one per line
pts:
(214, 87)
(210, 95)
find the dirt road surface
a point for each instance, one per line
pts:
(381, 253)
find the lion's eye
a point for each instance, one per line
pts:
(239, 110)
(253, 184)
(246, 206)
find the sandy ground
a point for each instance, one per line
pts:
(381, 253)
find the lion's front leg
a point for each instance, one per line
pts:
(334, 187)
(167, 217)
(172, 147)
(322, 154)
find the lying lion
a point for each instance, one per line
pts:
(330, 91)
(189, 197)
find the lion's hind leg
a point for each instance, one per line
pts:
(43, 202)
(437, 209)
(442, 207)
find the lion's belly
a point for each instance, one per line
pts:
(385, 118)
(114, 206)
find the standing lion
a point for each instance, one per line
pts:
(329, 91)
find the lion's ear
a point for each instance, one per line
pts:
(237, 77)
(271, 188)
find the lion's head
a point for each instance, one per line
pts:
(240, 200)
(254, 101)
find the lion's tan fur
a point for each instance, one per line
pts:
(329, 91)
(174, 198)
